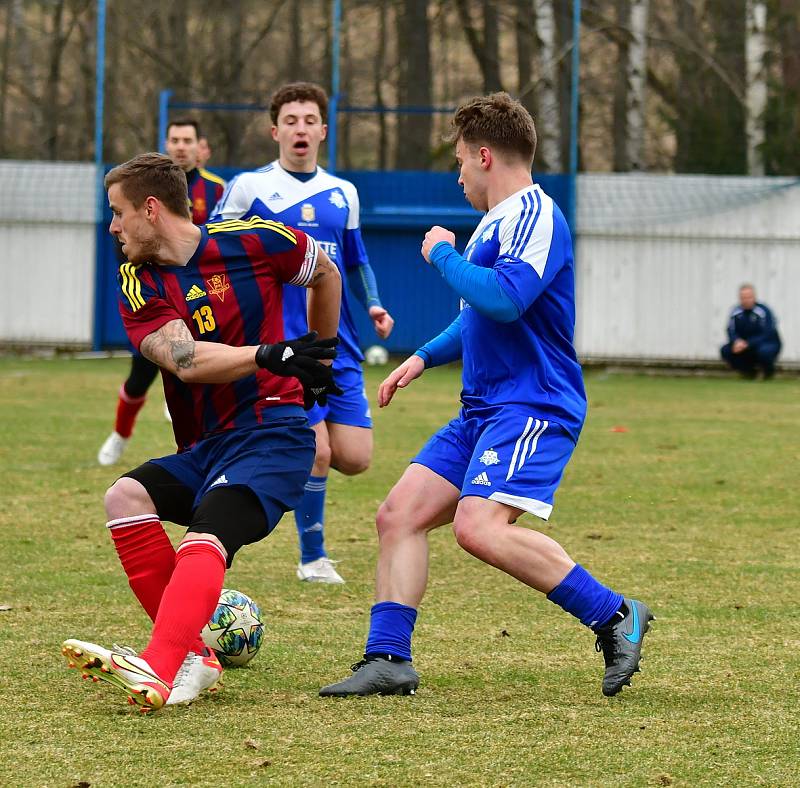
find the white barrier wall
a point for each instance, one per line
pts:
(47, 251)
(659, 259)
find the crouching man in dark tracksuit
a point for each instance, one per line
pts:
(753, 341)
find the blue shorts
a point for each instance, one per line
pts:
(508, 456)
(350, 408)
(273, 459)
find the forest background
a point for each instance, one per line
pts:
(688, 86)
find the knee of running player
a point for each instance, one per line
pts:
(353, 463)
(394, 519)
(126, 498)
(232, 517)
(474, 526)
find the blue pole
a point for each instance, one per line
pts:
(573, 115)
(99, 107)
(163, 116)
(333, 104)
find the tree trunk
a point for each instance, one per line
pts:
(414, 86)
(549, 128)
(756, 95)
(294, 61)
(491, 48)
(525, 33)
(637, 82)
(378, 77)
(8, 39)
(51, 114)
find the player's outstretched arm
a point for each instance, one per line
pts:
(409, 370)
(175, 349)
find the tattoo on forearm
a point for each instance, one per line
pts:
(183, 354)
(171, 343)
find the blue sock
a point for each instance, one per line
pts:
(309, 518)
(390, 628)
(585, 598)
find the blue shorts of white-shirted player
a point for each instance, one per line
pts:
(510, 456)
(350, 408)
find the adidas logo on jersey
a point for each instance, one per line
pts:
(483, 479)
(219, 480)
(195, 292)
(274, 196)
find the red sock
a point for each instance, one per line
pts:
(188, 603)
(127, 409)
(147, 556)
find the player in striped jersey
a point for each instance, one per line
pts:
(523, 406)
(205, 304)
(205, 189)
(295, 190)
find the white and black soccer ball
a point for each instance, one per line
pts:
(236, 630)
(376, 355)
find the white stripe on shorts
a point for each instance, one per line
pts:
(529, 440)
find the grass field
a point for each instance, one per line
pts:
(693, 509)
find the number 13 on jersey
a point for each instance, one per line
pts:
(204, 318)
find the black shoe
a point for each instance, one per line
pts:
(376, 675)
(621, 644)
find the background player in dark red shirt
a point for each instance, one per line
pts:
(204, 188)
(205, 304)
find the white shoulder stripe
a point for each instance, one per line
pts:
(306, 272)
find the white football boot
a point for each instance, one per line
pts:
(197, 673)
(111, 451)
(319, 571)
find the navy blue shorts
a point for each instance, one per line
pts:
(510, 456)
(350, 408)
(272, 459)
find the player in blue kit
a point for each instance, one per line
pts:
(295, 190)
(523, 406)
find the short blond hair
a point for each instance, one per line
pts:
(152, 175)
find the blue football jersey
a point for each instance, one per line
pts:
(324, 207)
(530, 361)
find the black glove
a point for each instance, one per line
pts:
(299, 358)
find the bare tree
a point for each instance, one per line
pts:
(756, 89)
(414, 86)
(484, 43)
(550, 126)
(636, 80)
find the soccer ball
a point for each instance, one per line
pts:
(376, 356)
(236, 629)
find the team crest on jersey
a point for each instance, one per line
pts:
(218, 285)
(307, 212)
(487, 234)
(489, 457)
(337, 199)
(199, 204)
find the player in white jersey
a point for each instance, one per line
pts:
(523, 406)
(299, 193)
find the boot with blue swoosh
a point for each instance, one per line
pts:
(621, 644)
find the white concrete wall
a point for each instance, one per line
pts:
(47, 251)
(660, 260)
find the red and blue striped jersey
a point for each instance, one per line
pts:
(205, 189)
(230, 291)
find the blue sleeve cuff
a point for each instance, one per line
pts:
(361, 279)
(444, 348)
